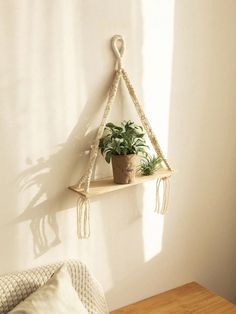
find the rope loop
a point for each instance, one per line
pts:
(118, 51)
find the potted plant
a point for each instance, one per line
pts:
(121, 144)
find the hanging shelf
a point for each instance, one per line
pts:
(106, 185)
(85, 188)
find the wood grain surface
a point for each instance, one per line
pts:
(107, 185)
(187, 299)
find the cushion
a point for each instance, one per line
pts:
(56, 296)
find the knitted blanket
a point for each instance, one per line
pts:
(15, 287)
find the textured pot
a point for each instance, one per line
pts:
(124, 168)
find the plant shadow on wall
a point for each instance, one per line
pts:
(50, 177)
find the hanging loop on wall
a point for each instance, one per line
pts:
(118, 46)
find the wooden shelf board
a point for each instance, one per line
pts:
(106, 185)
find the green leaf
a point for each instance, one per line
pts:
(126, 138)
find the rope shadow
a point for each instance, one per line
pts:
(51, 176)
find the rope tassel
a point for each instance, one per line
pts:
(83, 223)
(162, 195)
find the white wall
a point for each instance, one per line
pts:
(55, 67)
(202, 144)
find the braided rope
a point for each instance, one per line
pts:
(161, 208)
(86, 178)
(118, 52)
(144, 119)
(83, 204)
(83, 219)
(83, 224)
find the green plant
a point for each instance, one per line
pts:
(149, 164)
(128, 138)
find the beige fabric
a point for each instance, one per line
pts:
(16, 287)
(57, 296)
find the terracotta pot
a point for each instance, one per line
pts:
(124, 168)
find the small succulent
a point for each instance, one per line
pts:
(124, 139)
(149, 164)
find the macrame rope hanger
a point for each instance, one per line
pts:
(162, 195)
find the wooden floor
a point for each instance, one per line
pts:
(187, 299)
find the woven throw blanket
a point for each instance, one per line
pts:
(15, 287)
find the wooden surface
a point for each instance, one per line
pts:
(187, 299)
(107, 185)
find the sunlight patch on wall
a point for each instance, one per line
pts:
(158, 25)
(158, 36)
(152, 224)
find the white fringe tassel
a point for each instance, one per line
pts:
(83, 220)
(162, 195)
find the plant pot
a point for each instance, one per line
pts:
(124, 168)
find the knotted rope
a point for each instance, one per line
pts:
(83, 205)
(161, 206)
(118, 52)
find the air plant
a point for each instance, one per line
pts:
(149, 164)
